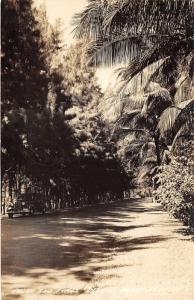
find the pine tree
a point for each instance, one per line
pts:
(35, 143)
(24, 73)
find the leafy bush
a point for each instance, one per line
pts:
(175, 189)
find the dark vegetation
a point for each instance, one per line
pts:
(54, 142)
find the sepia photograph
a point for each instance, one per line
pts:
(97, 149)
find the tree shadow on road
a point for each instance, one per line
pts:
(187, 232)
(76, 242)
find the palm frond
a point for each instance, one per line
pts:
(167, 119)
(165, 16)
(133, 102)
(166, 48)
(113, 51)
(185, 117)
(166, 74)
(185, 132)
(140, 83)
(131, 20)
(174, 70)
(173, 118)
(88, 23)
(176, 137)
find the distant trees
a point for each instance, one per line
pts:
(79, 78)
(99, 171)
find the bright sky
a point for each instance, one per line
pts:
(65, 9)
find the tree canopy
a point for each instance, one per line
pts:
(53, 138)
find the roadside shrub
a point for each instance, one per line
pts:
(175, 189)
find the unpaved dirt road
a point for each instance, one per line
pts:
(126, 250)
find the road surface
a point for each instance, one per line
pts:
(126, 250)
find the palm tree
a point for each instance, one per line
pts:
(140, 33)
(145, 33)
(122, 29)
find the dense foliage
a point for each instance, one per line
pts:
(174, 186)
(61, 156)
(99, 170)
